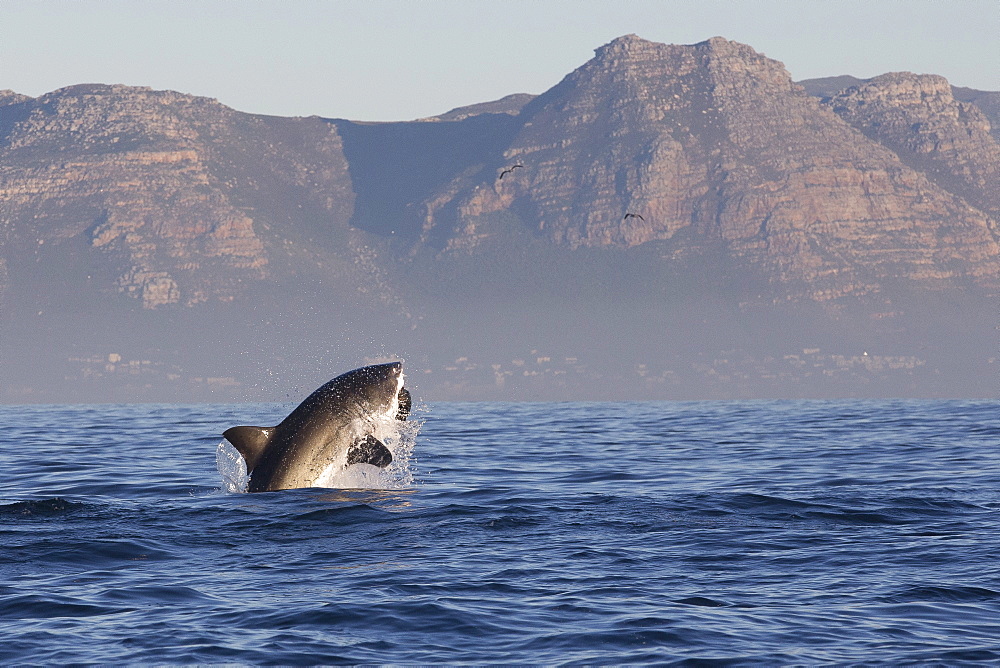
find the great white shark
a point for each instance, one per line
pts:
(335, 425)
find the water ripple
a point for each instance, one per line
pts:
(741, 533)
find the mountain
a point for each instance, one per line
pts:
(987, 102)
(919, 119)
(713, 144)
(177, 197)
(668, 221)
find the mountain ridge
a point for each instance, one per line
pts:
(719, 144)
(506, 225)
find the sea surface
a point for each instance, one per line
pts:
(784, 532)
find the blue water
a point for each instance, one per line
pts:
(774, 532)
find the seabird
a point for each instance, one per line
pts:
(633, 215)
(509, 170)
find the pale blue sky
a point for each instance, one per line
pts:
(404, 59)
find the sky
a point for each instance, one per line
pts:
(382, 60)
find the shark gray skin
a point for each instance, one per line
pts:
(335, 423)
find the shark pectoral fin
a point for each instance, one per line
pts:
(369, 450)
(249, 442)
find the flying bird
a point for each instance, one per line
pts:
(633, 215)
(509, 170)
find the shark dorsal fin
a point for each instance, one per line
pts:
(369, 450)
(250, 442)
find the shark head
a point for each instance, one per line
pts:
(376, 389)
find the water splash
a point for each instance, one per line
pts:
(399, 437)
(232, 468)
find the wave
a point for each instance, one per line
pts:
(43, 507)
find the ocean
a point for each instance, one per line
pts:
(730, 533)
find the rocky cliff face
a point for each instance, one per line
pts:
(164, 186)
(919, 119)
(686, 150)
(988, 102)
(715, 140)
